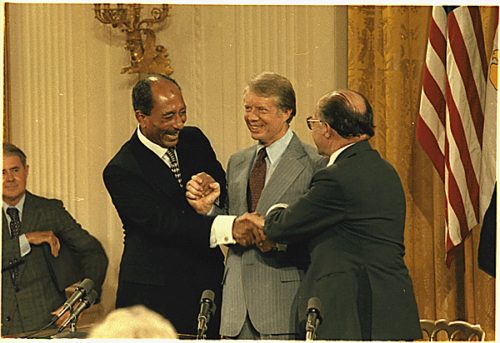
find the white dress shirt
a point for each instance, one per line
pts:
(222, 226)
(158, 150)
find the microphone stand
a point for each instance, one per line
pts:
(85, 303)
(72, 325)
(202, 328)
(313, 318)
(207, 309)
(310, 333)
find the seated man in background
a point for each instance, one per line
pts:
(40, 241)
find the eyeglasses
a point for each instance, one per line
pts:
(309, 122)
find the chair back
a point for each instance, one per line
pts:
(457, 330)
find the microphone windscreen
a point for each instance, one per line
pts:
(91, 297)
(87, 285)
(208, 294)
(314, 303)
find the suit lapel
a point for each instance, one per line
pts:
(240, 180)
(154, 170)
(5, 229)
(286, 172)
(29, 222)
(30, 214)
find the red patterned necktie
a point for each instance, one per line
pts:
(257, 180)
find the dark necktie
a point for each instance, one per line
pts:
(15, 231)
(15, 223)
(174, 165)
(257, 180)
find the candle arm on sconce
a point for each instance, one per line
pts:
(145, 55)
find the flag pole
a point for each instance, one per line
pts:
(470, 314)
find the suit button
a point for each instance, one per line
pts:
(7, 319)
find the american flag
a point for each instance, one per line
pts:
(450, 124)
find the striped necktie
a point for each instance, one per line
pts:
(174, 165)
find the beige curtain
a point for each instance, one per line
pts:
(5, 103)
(386, 54)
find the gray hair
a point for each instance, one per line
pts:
(12, 150)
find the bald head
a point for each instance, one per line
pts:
(347, 112)
(354, 101)
(142, 94)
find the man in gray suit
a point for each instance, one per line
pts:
(43, 248)
(258, 288)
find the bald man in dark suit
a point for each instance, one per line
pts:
(352, 220)
(166, 263)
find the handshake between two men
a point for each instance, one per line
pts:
(202, 191)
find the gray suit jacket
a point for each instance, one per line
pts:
(27, 303)
(264, 284)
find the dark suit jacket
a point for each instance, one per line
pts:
(353, 220)
(29, 308)
(166, 242)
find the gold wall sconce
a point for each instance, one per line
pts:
(145, 55)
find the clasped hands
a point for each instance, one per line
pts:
(248, 229)
(201, 192)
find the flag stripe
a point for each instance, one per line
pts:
(478, 32)
(431, 147)
(435, 95)
(461, 151)
(437, 39)
(461, 57)
(451, 120)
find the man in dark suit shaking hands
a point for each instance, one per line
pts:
(353, 220)
(166, 263)
(44, 250)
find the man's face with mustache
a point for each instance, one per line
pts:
(167, 117)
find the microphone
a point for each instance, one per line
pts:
(86, 302)
(207, 309)
(81, 291)
(313, 318)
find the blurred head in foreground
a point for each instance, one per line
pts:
(134, 322)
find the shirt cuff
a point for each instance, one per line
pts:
(212, 211)
(24, 245)
(279, 205)
(222, 231)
